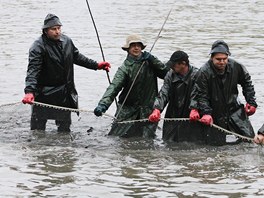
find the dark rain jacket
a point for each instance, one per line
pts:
(217, 95)
(261, 130)
(139, 102)
(176, 92)
(50, 74)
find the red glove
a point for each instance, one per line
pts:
(28, 98)
(104, 65)
(259, 139)
(155, 116)
(207, 120)
(194, 115)
(250, 110)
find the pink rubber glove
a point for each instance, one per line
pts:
(194, 115)
(28, 98)
(250, 110)
(207, 120)
(154, 116)
(104, 65)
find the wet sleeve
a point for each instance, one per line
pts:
(159, 67)
(261, 130)
(163, 97)
(193, 97)
(247, 86)
(114, 88)
(201, 89)
(35, 62)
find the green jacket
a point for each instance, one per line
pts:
(139, 102)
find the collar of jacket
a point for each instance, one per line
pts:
(130, 60)
(176, 77)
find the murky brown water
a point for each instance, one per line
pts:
(88, 163)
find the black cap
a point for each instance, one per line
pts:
(220, 46)
(50, 21)
(176, 57)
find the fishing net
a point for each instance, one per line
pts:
(15, 125)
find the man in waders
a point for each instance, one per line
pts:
(50, 77)
(216, 90)
(176, 92)
(136, 79)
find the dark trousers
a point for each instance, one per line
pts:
(40, 124)
(40, 115)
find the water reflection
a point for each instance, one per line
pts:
(52, 168)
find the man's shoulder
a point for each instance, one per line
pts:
(170, 74)
(233, 62)
(65, 37)
(194, 69)
(205, 67)
(206, 70)
(39, 40)
(37, 44)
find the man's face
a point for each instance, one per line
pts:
(54, 32)
(180, 67)
(135, 49)
(220, 61)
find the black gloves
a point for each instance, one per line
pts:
(100, 109)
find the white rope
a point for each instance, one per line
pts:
(233, 133)
(10, 104)
(66, 108)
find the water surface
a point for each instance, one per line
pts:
(88, 163)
